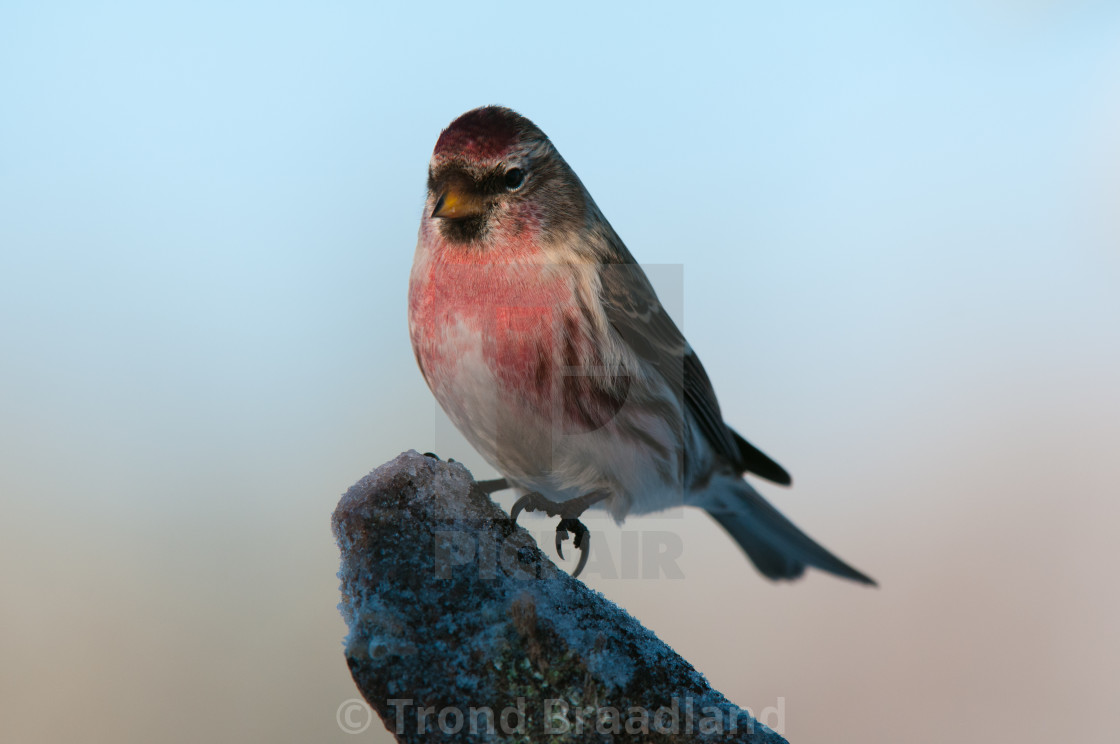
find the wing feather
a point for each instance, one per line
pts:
(636, 314)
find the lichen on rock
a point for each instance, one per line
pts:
(462, 629)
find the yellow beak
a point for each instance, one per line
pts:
(453, 204)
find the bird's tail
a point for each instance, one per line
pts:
(776, 546)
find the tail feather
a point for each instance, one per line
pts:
(776, 546)
(754, 460)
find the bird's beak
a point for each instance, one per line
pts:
(454, 204)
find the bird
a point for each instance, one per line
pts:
(545, 343)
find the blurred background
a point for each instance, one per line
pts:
(891, 231)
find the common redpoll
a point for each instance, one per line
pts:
(546, 345)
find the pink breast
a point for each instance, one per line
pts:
(512, 311)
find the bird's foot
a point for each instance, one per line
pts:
(491, 486)
(569, 512)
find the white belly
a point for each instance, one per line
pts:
(529, 444)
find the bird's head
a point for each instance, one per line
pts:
(495, 174)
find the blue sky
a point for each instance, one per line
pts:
(214, 207)
(891, 232)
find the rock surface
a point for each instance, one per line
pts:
(461, 629)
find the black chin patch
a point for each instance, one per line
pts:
(465, 230)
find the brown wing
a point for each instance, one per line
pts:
(635, 313)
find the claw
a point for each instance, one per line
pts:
(533, 502)
(490, 486)
(518, 507)
(584, 552)
(561, 536)
(580, 539)
(569, 512)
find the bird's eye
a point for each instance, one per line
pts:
(514, 178)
